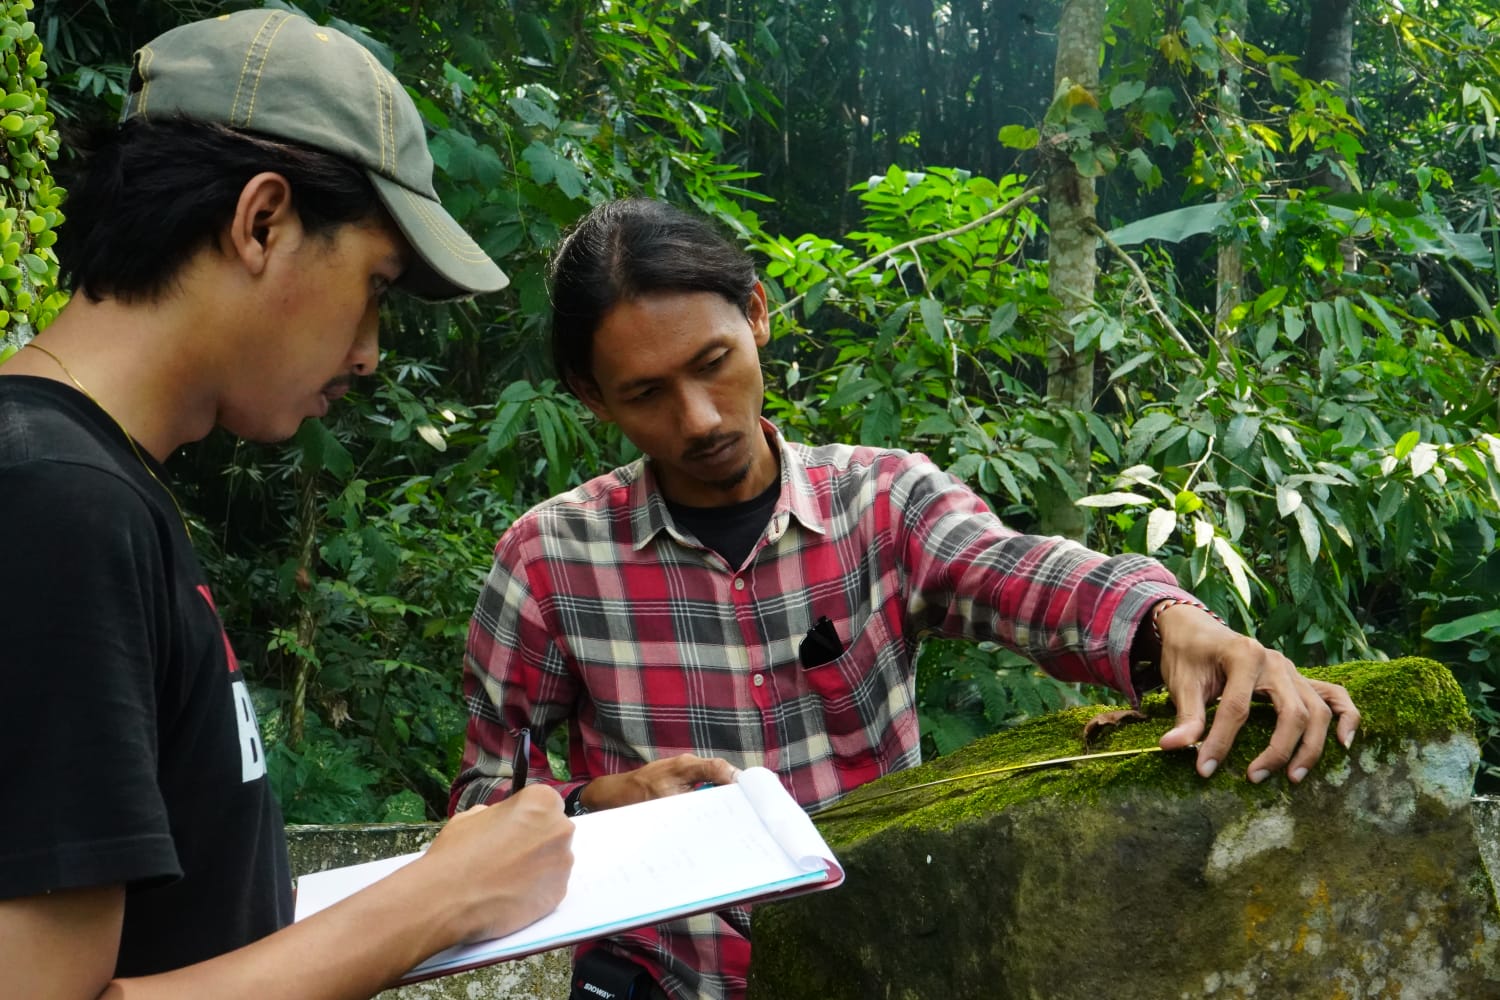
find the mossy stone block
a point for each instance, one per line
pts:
(1132, 878)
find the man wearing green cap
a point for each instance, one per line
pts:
(228, 246)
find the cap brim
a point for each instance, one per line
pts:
(447, 264)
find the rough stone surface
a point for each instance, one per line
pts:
(540, 977)
(1134, 879)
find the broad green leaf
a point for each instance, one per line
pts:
(1270, 299)
(1131, 365)
(1173, 226)
(1423, 457)
(1462, 628)
(1235, 564)
(1405, 444)
(814, 298)
(1300, 575)
(1350, 327)
(1160, 524)
(933, 322)
(1019, 137)
(1103, 435)
(1141, 166)
(1117, 499)
(1003, 319)
(1125, 93)
(882, 421)
(1293, 323)
(1265, 338)
(1203, 533)
(1243, 430)
(432, 436)
(1234, 518)
(1307, 526)
(1149, 426)
(1325, 321)
(1287, 500)
(1187, 502)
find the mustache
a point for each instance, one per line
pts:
(705, 446)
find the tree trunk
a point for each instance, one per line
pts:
(1330, 57)
(1072, 269)
(1231, 269)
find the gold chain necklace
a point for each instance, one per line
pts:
(121, 428)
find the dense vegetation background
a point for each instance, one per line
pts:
(1225, 296)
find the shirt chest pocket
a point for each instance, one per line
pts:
(865, 697)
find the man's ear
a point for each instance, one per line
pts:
(263, 220)
(759, 315)
(587, 390)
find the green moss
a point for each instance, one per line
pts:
(1399, 701)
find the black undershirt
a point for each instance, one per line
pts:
(733, 530)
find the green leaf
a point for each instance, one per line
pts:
(1141, 166)
(1116, 499)
(1406, 443)
(1235, 564)
(1126, 92)
(881, 425)
(1103, 435)
(1464, 627)
(1173, 226)
(1003, 319)
(932, 320)
(814, 298)
(1243, 430)
(1270, 299)
(1300, 575)
(1307, 526)
(1160, 524)
(1350, 327)
(1019, 137)
(1131, 365)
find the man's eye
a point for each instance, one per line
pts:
(641, 396)
(716, 362)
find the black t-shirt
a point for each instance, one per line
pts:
(731, 530)
(129, 747)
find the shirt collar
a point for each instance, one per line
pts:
(649, 515)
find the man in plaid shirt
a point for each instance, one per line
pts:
(735, 599)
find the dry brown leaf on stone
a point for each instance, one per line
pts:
(1096, 727)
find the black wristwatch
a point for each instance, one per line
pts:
(573, 804)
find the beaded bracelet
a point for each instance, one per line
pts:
(1170, 602)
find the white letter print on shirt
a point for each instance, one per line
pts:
(252, 754)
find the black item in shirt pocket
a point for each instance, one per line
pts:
(821, 645)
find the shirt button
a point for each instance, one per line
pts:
(760, 679)
(739, 583)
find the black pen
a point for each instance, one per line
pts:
(520, 765)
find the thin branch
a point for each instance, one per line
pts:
(1145, 287)
(1013, 205)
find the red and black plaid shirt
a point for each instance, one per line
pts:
(601, 613)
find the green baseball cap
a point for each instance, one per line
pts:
(281, 75)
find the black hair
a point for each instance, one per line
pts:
(623, 250)
(145, 196)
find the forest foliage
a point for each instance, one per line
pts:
(1317, 457)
